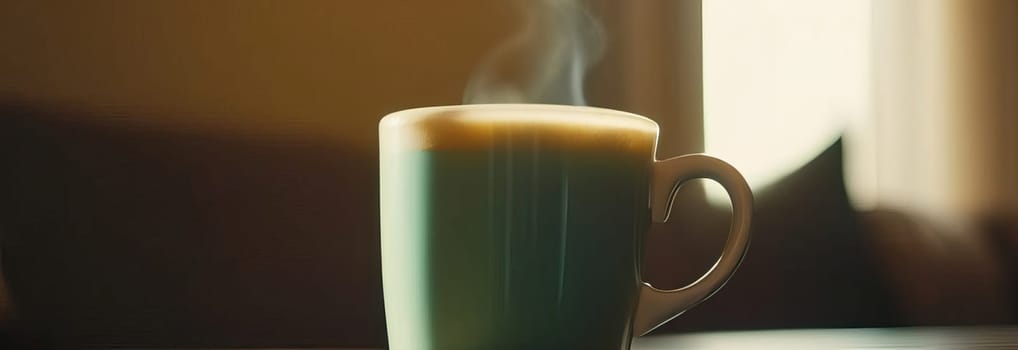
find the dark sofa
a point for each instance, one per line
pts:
(124, 231)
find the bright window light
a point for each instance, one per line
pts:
(782, 80)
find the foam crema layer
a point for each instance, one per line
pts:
(482, 126)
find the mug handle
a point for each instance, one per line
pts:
(658, 306)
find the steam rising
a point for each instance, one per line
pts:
(545, 61)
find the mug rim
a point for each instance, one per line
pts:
(496, 112)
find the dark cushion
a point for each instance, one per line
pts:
(809, 263)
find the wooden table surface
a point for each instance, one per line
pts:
(939, 338)
(945, 338)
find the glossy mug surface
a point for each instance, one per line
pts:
(516, 226)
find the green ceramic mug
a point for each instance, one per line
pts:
(521, 227)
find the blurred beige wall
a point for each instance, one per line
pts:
(318, 68)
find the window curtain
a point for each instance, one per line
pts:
(941, 137)
(924, 93)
